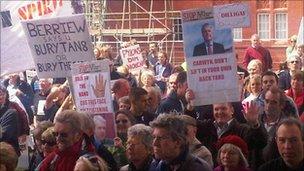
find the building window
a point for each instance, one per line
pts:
(263, 26)
(237, 34)
(281, 26)
(177, 29)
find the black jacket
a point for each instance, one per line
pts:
(200, 49)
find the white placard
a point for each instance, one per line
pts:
(56, 43)
(91, 84)
(232, 15)
(211, 63)
(132, 57)
(300, 39)
(15, 53)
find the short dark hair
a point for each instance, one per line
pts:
(135, 93)
(181, 77)
(270, 73)
(289, 122)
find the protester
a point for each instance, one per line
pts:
(232, 154)
(196, 148)
(124, 120)
(48, 141)
(124, 103)
(294, 64)
(124, 71)
(154, 98)
(296, 91)
(290, 143)
(139, 105)
(292, 48)
(152, 56)
(69, 139)
(139, 148)
(256, 51)
(90, 162)
(120, 88)
(8, 156)
(254, 68)
(254, 87)
(100, 131)
(162, 71)
(170, 146)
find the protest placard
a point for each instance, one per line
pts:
(92, 94)
(132, 57)
(15, 53)
(232, 15)
(56, 43)
(211, 63)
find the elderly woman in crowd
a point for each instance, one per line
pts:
(255, 67)
(8, 157)
(139, 148)
(296, 92)
(147, 79)
(294, 64)
(232, 154)
(90, 162)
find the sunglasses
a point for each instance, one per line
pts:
(123, 121)
(49, 143)
(62, 134)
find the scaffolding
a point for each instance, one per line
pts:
(134, 19)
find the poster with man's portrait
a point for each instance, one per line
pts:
(211, 62)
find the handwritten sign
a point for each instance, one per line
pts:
(56, 43)
(132, 57)
(211, 74)
(91, 84)
(12, 35)
(232, 15)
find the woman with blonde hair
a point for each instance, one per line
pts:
(254, 87)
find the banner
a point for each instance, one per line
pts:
(56, 43)
(92, 93)
(132, 57)
(211, 63)
(232, 15)
(15, 53)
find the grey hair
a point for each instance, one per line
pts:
(174, 125)
(70, 117)
(242, 162)
(145, 132)
(99, 119)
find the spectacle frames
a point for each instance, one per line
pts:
(62, 134)
(123, 121)
(49, 143)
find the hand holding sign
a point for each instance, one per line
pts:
(100, 84)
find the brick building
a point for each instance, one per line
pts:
(159, 21)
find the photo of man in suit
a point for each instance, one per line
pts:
(208, 47)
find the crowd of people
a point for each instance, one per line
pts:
(157, 126)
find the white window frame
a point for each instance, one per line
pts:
(239, 32)
(286, 26)
(259, 29)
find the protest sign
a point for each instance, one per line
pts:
(211, 63)
(56, 43)
(132, 57)
(15, 53)
(232, 15)
(92, 94)
(300, 39)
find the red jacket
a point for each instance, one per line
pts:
(64, 160)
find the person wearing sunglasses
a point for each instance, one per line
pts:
(90, 162)
(70, 143)
(48, 141)
(292, 48)
(294, 64)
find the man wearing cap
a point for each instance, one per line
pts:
(294, 63)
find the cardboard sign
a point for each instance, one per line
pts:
(232, 15)
(132, 57)
(91, 85)
(15, 53)
(56, 43)
(211, 63)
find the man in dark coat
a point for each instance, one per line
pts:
(208, 47)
